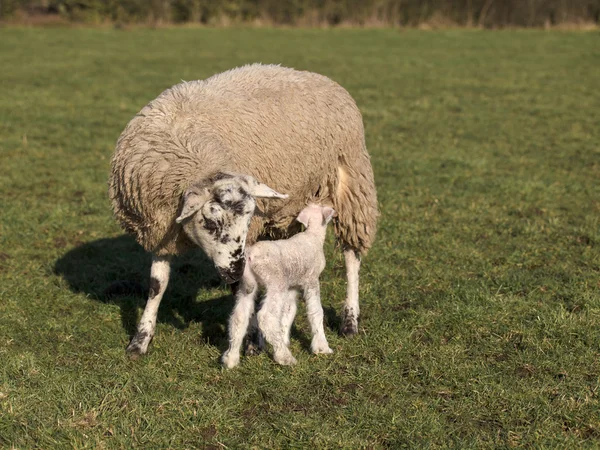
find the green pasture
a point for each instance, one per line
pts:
(480, 298)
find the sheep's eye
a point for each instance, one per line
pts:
(214, 209)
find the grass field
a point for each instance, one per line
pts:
(480, 299)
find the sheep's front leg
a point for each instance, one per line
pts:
(269, 322)
(314, 311)
(239, 320)
(159, 278)
(351, 310)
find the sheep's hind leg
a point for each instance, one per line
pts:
(159, 278)
(349, 325)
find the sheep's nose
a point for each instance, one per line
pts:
(232, 273)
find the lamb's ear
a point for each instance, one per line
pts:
(260, 190)
(328, 214)
(303, 217)
(193, 199)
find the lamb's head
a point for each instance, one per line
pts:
(314, 216)
(216, 215)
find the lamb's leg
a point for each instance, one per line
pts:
(159, 278)
(314, 311)
(239, 320)
(351, 310)
(255, 341)
(289, 313)
(269, 322)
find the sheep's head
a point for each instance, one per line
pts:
(216, 215)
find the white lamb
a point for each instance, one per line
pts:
(283, 268)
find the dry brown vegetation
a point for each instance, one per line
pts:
(427, 14)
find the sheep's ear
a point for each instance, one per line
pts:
(193, 199)
(328, 214)
(303, 217)
(260, 190)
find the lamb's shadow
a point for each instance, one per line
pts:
(117, 270)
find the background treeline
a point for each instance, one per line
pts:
(483, 13)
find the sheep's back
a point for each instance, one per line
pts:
(288, 129)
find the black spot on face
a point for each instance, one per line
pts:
(237, 206)
(225, 239)
(154, 287)
(237, 267)
(237, 239)
(237, 253)
(211, 226)
(232, 273)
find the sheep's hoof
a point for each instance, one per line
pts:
(230, 359)
(138, 345)
(349, 323)
(134, 352)
(134, 355)
(255, 344)
(253, 349)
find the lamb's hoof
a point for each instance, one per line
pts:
(349, 323)
(285, 359)
(230, 359)
(322, 351)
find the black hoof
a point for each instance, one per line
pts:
(349, 326)
(255, 343)
(135, 348)
(133, 352)
(349, 330)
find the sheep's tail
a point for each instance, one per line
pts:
(355, 200)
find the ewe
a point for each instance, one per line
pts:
(185, 170)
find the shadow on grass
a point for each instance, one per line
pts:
(117, 270)
(332, 319)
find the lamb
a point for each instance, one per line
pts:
(283, 268)
(185, 174)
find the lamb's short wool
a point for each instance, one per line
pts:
(283, 268)
(193, 165)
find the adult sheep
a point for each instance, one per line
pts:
(185, 170)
